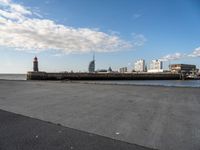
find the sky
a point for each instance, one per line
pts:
(64, 34)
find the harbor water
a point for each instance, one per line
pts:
(176, 83)
(169, 83)
(12, 76)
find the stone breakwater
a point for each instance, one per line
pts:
(102, 76)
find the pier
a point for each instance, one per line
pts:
(102, 76)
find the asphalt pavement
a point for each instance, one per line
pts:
(165, 118)
(18, 132)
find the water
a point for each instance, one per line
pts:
(13, 76)
(176, 83)
(172, 83)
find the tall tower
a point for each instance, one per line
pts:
(35, 64)
(91, 67)
(94, 57)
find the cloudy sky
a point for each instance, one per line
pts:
(64, 34)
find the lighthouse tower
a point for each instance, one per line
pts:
(35, 64)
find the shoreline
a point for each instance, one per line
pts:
(132, 84)
(110, 82)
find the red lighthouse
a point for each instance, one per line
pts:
(35, 64)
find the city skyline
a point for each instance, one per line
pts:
(65, 34)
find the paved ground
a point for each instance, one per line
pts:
(157, 117)
(23, 133)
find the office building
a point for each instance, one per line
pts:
(139, 66)
(183, 68)
(156, 66)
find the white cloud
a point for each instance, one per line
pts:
(21, 29)
(195, 53)
(4, 1)
(19, 9)
(174, 56)
(12, 11)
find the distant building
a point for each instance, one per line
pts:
(102, 71)
(156, 66)
(139, 66)
(91, 67)
(35, 64)
(109, 69)
(183, 68)
(123, 70)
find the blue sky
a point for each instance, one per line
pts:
(64, 34)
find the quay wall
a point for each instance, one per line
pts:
(102, 76)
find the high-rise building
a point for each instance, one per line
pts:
(35, 64)
(139, 65)
(123, 70)
(91, 67)
(156, 66)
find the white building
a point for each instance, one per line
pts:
(139, 66)
(156, 66)
(123, 70)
